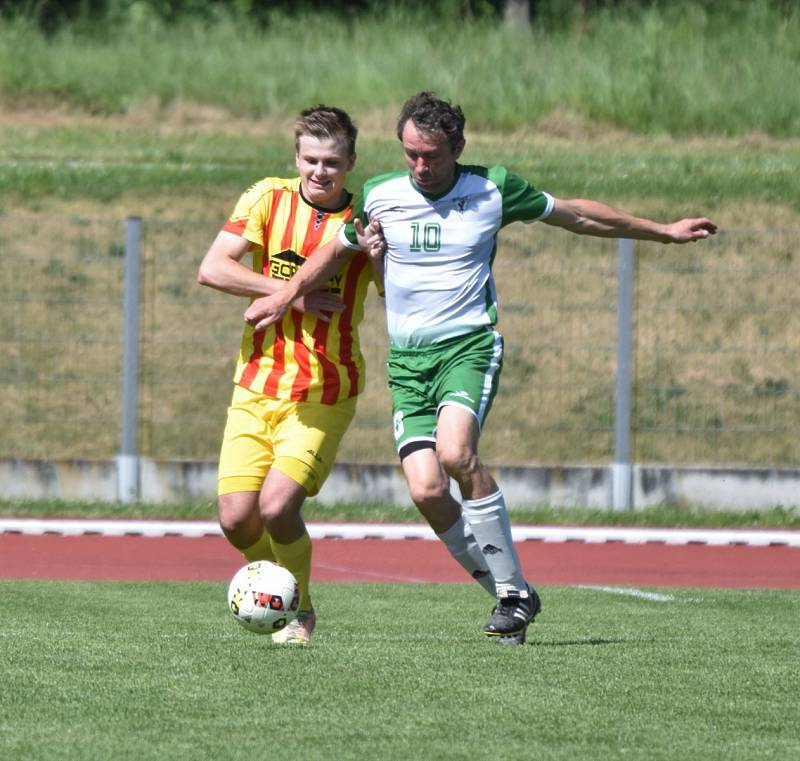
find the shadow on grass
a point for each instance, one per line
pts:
(591, 641)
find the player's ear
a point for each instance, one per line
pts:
(351, 162)
(459, 149)
(297, 159)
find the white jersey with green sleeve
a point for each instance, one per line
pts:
(440, 249)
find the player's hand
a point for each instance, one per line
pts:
(690, 230)
(265, 311)
(320, 304)
(370, 238)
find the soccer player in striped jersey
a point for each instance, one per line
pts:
(297, 381)
(440, 219)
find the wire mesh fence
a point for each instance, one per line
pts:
(716, 347)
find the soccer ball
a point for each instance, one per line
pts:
(263, 597)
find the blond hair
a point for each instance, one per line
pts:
(326, 123)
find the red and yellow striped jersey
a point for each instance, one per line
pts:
(300, 358)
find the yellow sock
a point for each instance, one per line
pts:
(261, 550)
(297, 558)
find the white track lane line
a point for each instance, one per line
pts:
(556, 534)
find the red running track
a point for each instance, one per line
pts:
(412, 561)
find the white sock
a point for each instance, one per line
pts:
(461, 543)
(492, 528)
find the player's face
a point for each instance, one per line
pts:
(430, 158)
(323, 167)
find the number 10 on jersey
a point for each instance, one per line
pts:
(430, 240)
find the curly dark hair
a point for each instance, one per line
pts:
(326, 122)
(431, 114)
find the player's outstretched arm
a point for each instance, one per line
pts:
(595, 218)
(690, 230)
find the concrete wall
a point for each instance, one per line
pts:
(574, 486)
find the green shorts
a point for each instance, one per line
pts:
(464, 370)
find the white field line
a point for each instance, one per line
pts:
(630, 592)
(555, 534)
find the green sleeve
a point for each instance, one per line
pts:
(361, 201)
(358, 211)
(521, 201)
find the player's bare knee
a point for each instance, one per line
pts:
(232, 525)
(239, 520)
(272, 509)
(234, 514)
(428, 492)
(458, 462)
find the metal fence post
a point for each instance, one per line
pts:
(622, 469)
(128, 487)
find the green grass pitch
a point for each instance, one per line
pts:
(99, 670)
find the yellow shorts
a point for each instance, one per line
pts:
(299, 439)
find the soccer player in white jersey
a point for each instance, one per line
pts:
(440, 219)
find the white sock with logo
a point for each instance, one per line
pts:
(461, 543)
(489, 520)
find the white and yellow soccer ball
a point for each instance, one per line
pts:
(263, 597)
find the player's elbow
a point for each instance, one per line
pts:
(205, 275)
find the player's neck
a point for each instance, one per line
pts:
(441, 188)
(339, 203)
